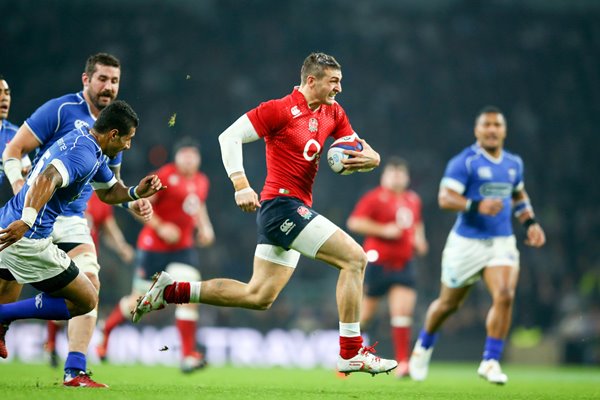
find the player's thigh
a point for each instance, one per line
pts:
(269, 277)
(501, 278)
(79, 291)
(341, 250)
(451, 297)
(10, 290)
(402, 300)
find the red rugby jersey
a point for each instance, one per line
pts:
(98, 212)
(384, 206)
(178, 204)
(294, 138)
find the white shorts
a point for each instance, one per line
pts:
(34, 260)
(72, 229)
(464, 259)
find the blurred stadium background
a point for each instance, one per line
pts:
(415, 74)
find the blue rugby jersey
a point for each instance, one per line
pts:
(7, 132)
(476, 175)
(79, 159)
(56, 118)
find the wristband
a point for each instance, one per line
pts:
(528, 222)
(132, 193)
(12, 169)
(242, 191)
(29, 215)
(240, 183)
(472, 206)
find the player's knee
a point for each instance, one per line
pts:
(85, 304)
(504, 297)
(88, 264)
(357, 259)
(446, 306)
(263, 300)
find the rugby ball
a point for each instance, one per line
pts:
(335, 154)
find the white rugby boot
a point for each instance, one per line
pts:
(490, 370)
(418, 365)
(154, 298)
(365, 361)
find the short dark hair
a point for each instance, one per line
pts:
(102, 59)
(186, 141)
(316, 64)
(396, 162)
(488, 110)
(117, 115)
(2, 77)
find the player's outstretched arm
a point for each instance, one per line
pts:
(119, 193)
(38, 195)
(362, 161)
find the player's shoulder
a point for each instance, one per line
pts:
(9, 127)
(512, 157)
(412, 196)
(66, 100)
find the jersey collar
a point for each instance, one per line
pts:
(487, 155)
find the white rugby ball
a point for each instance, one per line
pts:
(335, 154)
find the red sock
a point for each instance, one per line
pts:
(115, 319)
(53, 329)
(349, 346)
(178, 293)
(401, 338)
(187, 331)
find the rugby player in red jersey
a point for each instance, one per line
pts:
(389, 217)
(168, 241)
(294, 129)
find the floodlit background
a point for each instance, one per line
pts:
(415, 75)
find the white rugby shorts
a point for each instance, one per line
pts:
(72, 229)
(464, 259)
(34, 260)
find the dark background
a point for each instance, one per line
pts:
(415, 75)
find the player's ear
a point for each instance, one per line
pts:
(113, 134)
(85, 79)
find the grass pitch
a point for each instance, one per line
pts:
(446, 381)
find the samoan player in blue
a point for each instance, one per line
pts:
(484, 184)
(50, 122)
(8, 129)
(27, 252)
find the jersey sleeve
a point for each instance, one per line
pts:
(520, 178)
(456, 175)
(365, 206)
(74, 164)
(203, 188)
(45, 120)
(104, 177)
(267, 118)
(116, 161)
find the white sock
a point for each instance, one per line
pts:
(195, 292)
(350, 329)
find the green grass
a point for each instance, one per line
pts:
(446, 381)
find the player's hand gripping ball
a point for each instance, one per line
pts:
(335, 154)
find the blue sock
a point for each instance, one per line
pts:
(427, 339)
(75, 362)
(41, 306)
(493, 348)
